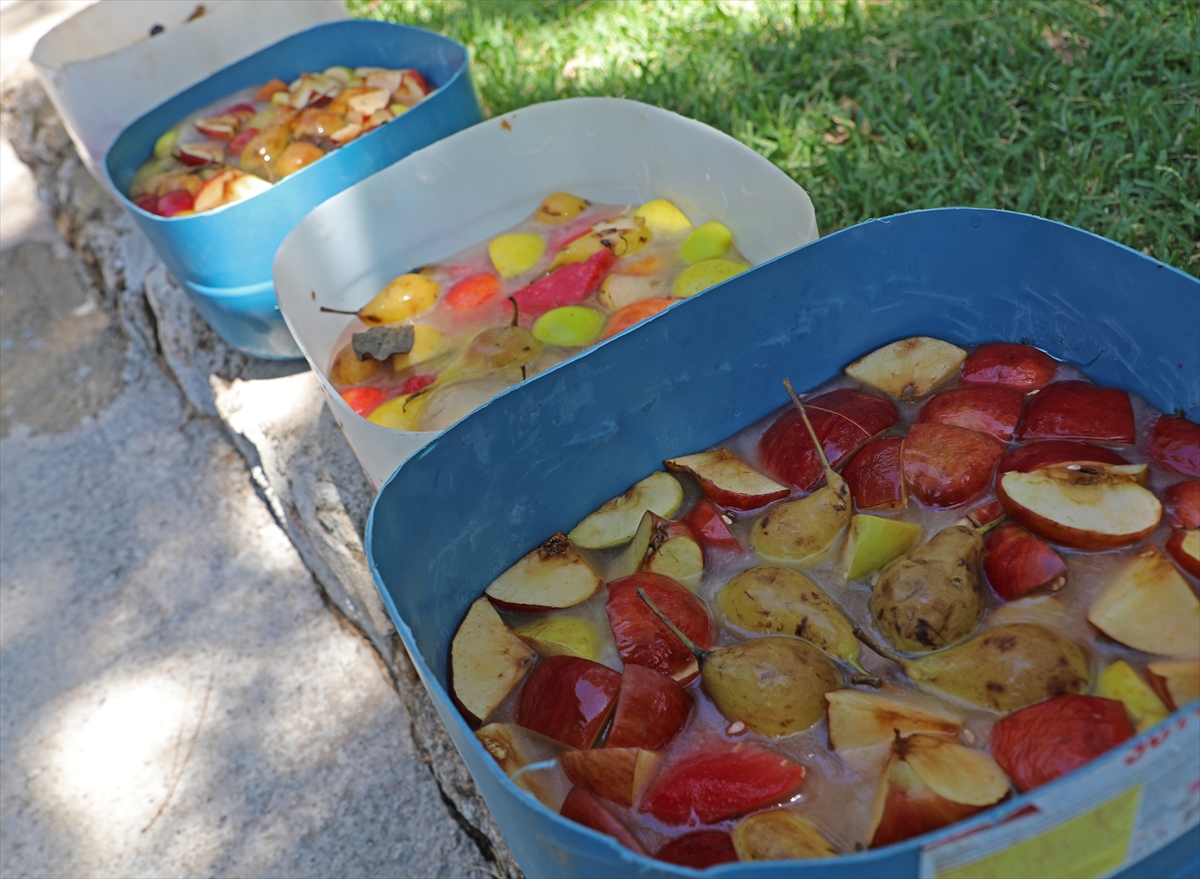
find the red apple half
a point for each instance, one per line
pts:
(1049, 452)
(568, 699)
(1009, 365)
(615, 774)
(1175, 443)
(876, 476)
(1184, 546)
(991, 409)
(1182, 503)
(651, 710)
(843, 420)
(1080, 411)
(1092, 507)
(728, 480)
(643, 639)
(710, 526)
(585, 809)
(1016, 562)
(945, 466)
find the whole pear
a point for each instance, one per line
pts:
(1004, 668)
(776, 685)
(933, 595)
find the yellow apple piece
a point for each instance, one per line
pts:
(1178, 681)
(858, 719)
(617, 291)
(674, 552)
(516, 253)
(630, 559)
(400, 413)
(780, 835)
(705, 274)
(909, 367)
(1150, 607)
(956, 772)
(558, 207)
(228, 187)
(486, 660)
(663, 216)
(554, 575)
(616, 774)
(710, 241)
(1120, 682)
(403, 298)
(618, 519)
(873, 542)
(347, 369)
(562, 636)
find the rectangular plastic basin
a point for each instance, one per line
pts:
(223, 257)
(480, 182)
(540, 457)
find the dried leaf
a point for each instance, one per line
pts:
(380, 343)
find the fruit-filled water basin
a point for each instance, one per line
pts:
(538, 459)
(481, 182)
(223, 257)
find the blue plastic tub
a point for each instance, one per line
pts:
(538, 458)
(223, 257)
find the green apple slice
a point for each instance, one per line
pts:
(875, 541)
(562, 636)
(617, 520)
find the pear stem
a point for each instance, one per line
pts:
(832, 479)
(984, 529)
(879, 648)
(864, 677)
(516, 311)
(701, 653)
(328, 310)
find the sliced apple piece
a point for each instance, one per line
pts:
(780, 835)
(513, 748)
(1182, 504)
(875, 541)
(954, 771)
(947, 466)
(1048, 453)
(618, 519)
(910, 367)
(552, 576)
(1175, 444)
(562, 636)
(1176, 681)
(729, 481)
(643, 639)
(651, 710)
(630, 559)
(568, 699)
(618, 291)
(989, 409)
(876, 476)
(707, 523)
(675, 552)
(1009, 365)
(1016, 562)
(585, 809)
(486, 661)
(1150, 607)
(1184, 547)
(699, 849)
(228, 187)
(858, 719)
(1077, 410)
(615, 774)
(1143, 706)
(1084, 506)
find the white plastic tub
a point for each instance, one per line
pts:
(103, 70)
(481, 181)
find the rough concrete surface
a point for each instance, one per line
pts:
(175, 696)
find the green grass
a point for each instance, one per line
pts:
(1084, 112)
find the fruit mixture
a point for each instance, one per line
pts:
(750, 655)
(438, 342)
(239, 146)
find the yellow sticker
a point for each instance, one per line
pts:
(1089, 845)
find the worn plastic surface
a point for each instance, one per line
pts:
(223, 257)
(538, 458)
(480, 182)
(102, 70)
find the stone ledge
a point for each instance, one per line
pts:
(274, 412)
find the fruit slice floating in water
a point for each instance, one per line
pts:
(618, 519)
(780, 835)
(1182, 504)
(651, 710)
(1150, 607)
(729, 481)
(486, 661)
(706, 523)
(473, 292)
(568, 699)
(582, 807)
(947, 466)
(1049, 453)
(863, 720)
(554, 575)
(362, 400)
(910, 367)
(875, 475)
(699, 849)
(635, 313)
(1177, 681)
(562, 636)
(615, 774)
(873, 542)
(1184, 547)
(558, 207)
(568, 285)
(1142, 705)
(1016, 562)
(1076, 410)
(718, 781)
(643, 639)
(1046, 741)
(991, 409)
(1175, 444)
(663, 216)
(1010, 365)
(514, 748)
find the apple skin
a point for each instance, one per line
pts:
(875, 475)
(843, 420)
(910, 811)
(1177, 548)
(568, 285)
(568, 699)
(706, 523)
(946, 466)
(1182, 504)
(1047, 740)
(699, 849)
(991, 409)
(1010, 365)
(1035, 456)
(1080, 411)
(1175, 444)
(719, 781)
(618, 775)
(585, 809)
(721, 465)
(987, 513)
(651, 710)
(1016, 562)
(643, 639)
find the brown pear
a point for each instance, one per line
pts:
(932, 596)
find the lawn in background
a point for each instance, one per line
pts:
(1084, 112)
